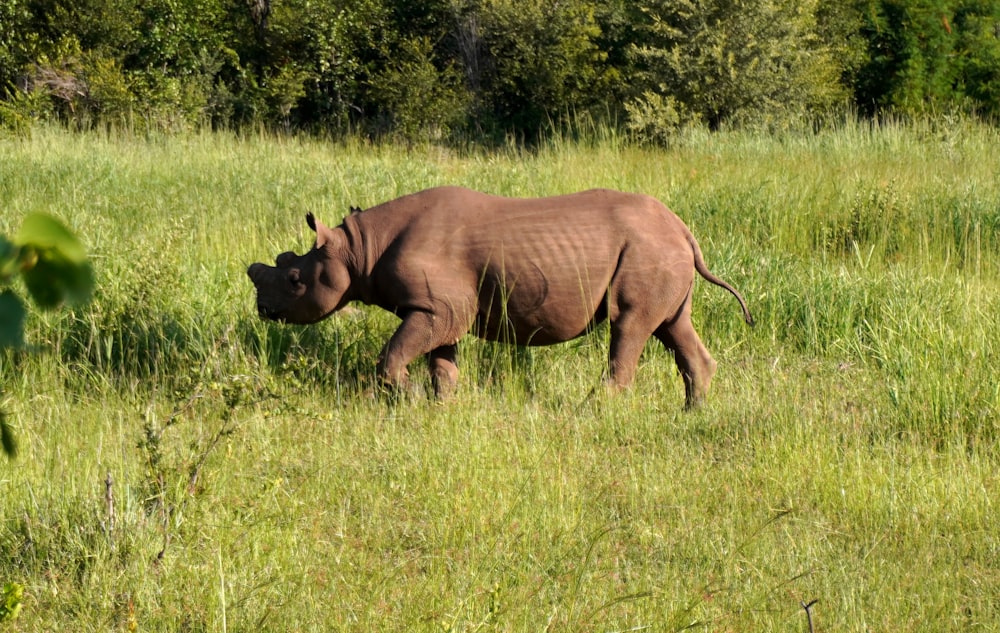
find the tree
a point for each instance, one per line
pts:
(731, 61)
(930, 54)
(14, 43)
(977, 26)
(531, 62)
(417, 100)
(334, 49)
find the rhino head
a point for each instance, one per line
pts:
(305, 288)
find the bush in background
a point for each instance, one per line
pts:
(489, 69)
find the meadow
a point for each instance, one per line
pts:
(185, 466)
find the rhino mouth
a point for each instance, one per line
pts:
(268, 313)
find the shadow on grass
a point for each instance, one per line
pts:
(337, 352)
(151, 345)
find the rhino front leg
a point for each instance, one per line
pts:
(419, 333)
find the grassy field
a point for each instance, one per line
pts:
(187, 467)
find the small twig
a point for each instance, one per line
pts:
(109, 500)
(222, 590)
(164, 522)
(29, 543)
(195, 471)
(809, 616)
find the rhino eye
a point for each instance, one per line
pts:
(294, 279)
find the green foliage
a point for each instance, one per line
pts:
(977, 26)
(839, 28)
(12, 320)
(24, 109)
(151, 64)
(655, 118)
(335, 48)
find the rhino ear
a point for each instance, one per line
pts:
(324, 235)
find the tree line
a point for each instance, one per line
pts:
(488, 69)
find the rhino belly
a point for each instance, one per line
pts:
(534, 309)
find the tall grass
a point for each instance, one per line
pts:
(847, 451)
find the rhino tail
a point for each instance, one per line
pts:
(702, 268)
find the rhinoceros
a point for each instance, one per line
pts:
(528, 271)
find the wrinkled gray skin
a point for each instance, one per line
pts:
(539, 271)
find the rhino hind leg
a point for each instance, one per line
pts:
(628, 338)
(443, 363)
(696, 365)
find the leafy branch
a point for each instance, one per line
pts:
(10, 601)
(53, 265)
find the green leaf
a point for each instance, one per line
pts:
(54, 280)
(7, 441)
(47, 233)
(54, 265)
(11, 320)
(10, 600)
